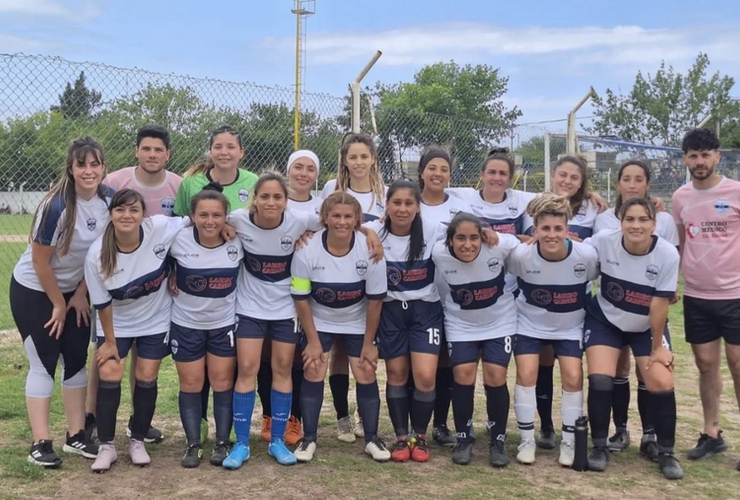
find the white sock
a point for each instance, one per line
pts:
(525, 406)
(571, 408)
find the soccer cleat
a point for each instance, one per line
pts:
(462, 452)
(546, 441)
(443, 436)
(91, 427)
(567, 453)
(266, 433)
(293, 431)
(152, 435)
(420, 449)
(707, 446)
(619, 441)
(43, 454)
(498, 455)
(359, 429)
(401, 451)
(649, 447)
(305, 450)
(526, 451)
(192, 456)
(281, 453)
(220, 452)
(669, 466)
(598, 459)
(107, 456)
(345, 432)
(204, 430)
(81, 445)
(138, 454)
(376, 449)
(240, 453)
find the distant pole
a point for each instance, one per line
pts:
(301, 9)
(546, 165)
(354, 88)
(571, 142)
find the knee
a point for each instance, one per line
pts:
(146, 372)
(572, 380)
(425, 382)
(397, 375)
(191, 382)
(39, 384)
(526, 376)
(248, 369)
(220, 380)
(708, 366)
(464, 375)
(600, 382)
(75, 381)
(111, 371)
(660, 383)
(365, 374)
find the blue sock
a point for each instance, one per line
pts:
(280, 402)
(243, 407)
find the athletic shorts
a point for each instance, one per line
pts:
(530, 345)
(413, 326)
(189, 344)
(708, 320)
(597, 330)
(352, 343)
(281, 330)
(495, 351)
(31, 310)
(154, 347)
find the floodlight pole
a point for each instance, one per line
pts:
(354, 88)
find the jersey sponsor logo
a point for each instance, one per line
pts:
(450, 271)
(464, 297)
(253, 264)
(513, 210)
(326, 295)
(160, 251)
(286, 243)
(612, 262)
(232, 252)
(721, 206)
(651, 272)
(614, 292)
(133, 292)
(174, 345)
(541, 297)
(196, 283)
(579, 270)
(394, 275)
(494, 265)
(168, 206)
(243, 195)
(361, 267)
(92, 223)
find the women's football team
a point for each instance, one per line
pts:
(430, 279)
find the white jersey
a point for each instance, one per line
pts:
(338, 287)
(313, 204)
(665, 226)
(372, 207)
(91, 219)
(445, 211)
(206, 280)
(263, 290)
(478, 307)
(553, 295)
(137, 288)
(581, 226)
(409, 280)
(629, 282)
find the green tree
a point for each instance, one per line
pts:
(78, 101)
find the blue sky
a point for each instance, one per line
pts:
(552, 51)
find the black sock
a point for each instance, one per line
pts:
(145, 400)
(599, 407)
(223, 414)
(106, 409)
(422, 406)
(204, 396)
(339, 386)
(312, 397)
(462, 410)
(297, 375)
(190, 415)
(264, 386)
(497, 405)
(544, 391)
(368, 401)
(620, 402)
(646, 416)
(443, 396)
(663, 406)
(410, 386)
(397, 398)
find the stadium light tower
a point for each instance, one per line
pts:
(302, 9)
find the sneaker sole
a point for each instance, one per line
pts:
(524, 462)
(190, 466)
(710, 454)
(103, 471)
(288, 463)
(71, 449)
(47, 465)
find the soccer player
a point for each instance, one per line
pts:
(126, 271)
(707, 215)
(553, 276)
(48, 298)
(480, 321)
(639, 275)
(203, 315)
(338, 292)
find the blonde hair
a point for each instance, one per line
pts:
(343, 176)
(340, 198)
(549, 203)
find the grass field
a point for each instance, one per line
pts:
(343, 471)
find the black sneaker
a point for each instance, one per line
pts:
(499, 457)
(669, 466)
(91, 427)
(152, 436)
(443, 436)
(221, 450)
(192, 456)
(547, 441)
(619, 441)
(81, 445)
(462, 452)
(42, 453)
(649, 448)
(707, 446)
(598, 459)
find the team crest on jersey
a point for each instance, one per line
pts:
(159, 251)
(513, 210)
(581, 213)
(464, 297)
(721, 206)
(541, 297)
(394, 275)
(243, 195)
(494, 265)
(232, 252)
(174, 345)
(254, 264)
(579, 270)
(168, 206)
(92, 223)
(651, 272)
(326, 295)
(286, 243)
(614, 292)
(361, 267)
(196, 283)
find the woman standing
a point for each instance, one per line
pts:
(48, 298)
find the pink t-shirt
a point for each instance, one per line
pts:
(711, 254)
(159, 199)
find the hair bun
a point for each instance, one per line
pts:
(213, 186)
(495, 151)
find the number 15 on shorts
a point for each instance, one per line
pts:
(433, 336)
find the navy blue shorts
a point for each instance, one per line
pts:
(281, 330)
(496, 351)
(156, 347)
(597, 330)
(414, 326)
(530, 345)
(190, 344)
(352, 343)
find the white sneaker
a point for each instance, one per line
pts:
(345, 432)
(376, 449)
(359, 429)
(138, 454)
(567, 453)
(107, 456)
(526, 451)
(305, 450)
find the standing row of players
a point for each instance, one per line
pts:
(495, 204)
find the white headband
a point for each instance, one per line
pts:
(303, 153)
